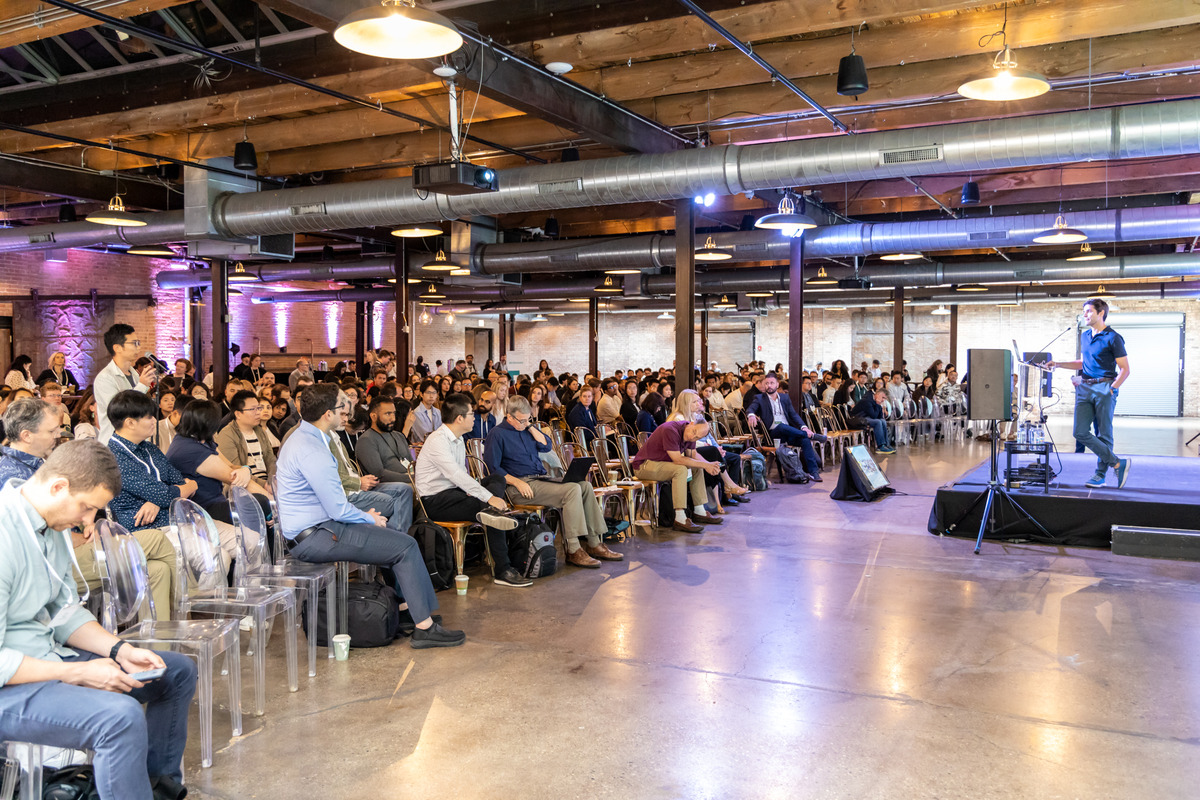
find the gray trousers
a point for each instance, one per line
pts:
(392, 500)
(363, 543)
(581, 513)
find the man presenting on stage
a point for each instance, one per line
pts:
(1105, 367)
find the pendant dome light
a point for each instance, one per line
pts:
(1101, 294)
(786, 219)
(115, 214)
(940, 311)
(1005, 81)
(431, 294)
(538, 318)
(609, 287)
(852, 72)
(398, 29)
(821, 279)
(1060, 234)
(724, 303)
(439, 263)
(416, 231)
(665, 315)
(970, 287)
(67, 213)
(578, 300)
(709, 252)
(760, 294)
(160, 250)
(1086, 253)
(901, 256)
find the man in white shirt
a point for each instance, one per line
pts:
(876, 370)
(425, 418)
(897, 389)
(608, 410)
(119, 375)
(449, 493)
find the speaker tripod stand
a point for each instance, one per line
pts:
(992, 497)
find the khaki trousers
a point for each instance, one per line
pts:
(581, 512)
(677, 474)
(160, 566)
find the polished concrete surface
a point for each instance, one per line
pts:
(804, 649)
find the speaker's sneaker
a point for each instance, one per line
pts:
(1123, 466)
(1096, 481)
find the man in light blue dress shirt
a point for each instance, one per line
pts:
(320, 525)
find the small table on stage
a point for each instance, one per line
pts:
(1041, 462)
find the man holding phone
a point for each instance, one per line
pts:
(64, 680)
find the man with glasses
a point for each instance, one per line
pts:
(244, 441)
(512, 451)
(52, 393)
(119, 375)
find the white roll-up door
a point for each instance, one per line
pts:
(1154, 342)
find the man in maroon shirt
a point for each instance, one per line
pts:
(670, 455)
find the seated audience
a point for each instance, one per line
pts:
(57, 372)
(608, 408)
(448, 492)
(647, 418)
(512, 451)
(629, 403)
(425, 417)
(383, 451)
(85, 417)
(670, 455)
(777, 412)
(194, 453)
(320, 525)
(689, 407)
(869, 413)
(582, 415)
(245, 441)
(52, 393)
(64, 680)
(19, 376)
(485, 418)
(897, 389)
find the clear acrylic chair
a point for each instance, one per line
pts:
(282, 558)
(200, 561)
(126, 586)
(256, 567)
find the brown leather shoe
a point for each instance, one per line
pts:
(687, 527)
(705, 519)
(602, 552)
(580, 558)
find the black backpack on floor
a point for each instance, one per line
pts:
(789, 461)
(437, 548)
(373, 614)
(531, 547)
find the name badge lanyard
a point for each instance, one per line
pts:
(69, 609)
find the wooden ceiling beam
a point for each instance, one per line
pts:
(29, 20)
(751, 22)
(927, 40)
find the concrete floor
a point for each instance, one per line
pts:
(805, 648)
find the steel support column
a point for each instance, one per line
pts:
(220, 326)
(953, 334)
(898, 327)
(360, 318)
(369, 330)
(196, 334)
(503, 339)
(795, 351)
(593, 336)
(704, 340)
(402, 347)
(685, 292)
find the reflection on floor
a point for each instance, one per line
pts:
(805, 648)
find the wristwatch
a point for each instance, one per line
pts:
(113, 653)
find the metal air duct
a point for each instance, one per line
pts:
(367, 269)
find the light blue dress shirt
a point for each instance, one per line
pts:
(310, 491)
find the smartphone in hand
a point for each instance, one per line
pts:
(149, 675)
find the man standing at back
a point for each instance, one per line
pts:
(320, 525)
(119, 375)
(1105, 366)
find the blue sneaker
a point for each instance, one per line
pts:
(1096, 481)
(1122, 472)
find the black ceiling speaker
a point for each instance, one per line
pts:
(550, 228)
(570, 154)
(852, 75)
(970, 194)
(66, 213)
(244, 157)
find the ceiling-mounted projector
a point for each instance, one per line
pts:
(853, 283)
(454, 177)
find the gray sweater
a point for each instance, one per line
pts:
(384, 455)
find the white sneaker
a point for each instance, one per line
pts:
(247, 623)
(497, 521)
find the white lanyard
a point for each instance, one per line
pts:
(149, 467)
(69, 609)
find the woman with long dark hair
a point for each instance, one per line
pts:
(652, 408)
(840, 370)
(629, 404)
(19, 376)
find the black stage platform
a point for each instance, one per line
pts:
(1161, 492)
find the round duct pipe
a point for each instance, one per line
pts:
(368, 269)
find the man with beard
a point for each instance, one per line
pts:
(776, 410)
(382, 450)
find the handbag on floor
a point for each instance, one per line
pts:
(373, 615)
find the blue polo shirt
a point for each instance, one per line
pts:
(1100, 353)
(509, 451)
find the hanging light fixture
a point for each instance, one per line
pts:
(970, 193)
(892, 302)
(450, 317)
(398, 29)
(1005, 81)
(459, 272)
(416, 231)
(725, 302)
(786, 219)
(425, 317)
(709, 252)
(970, 287)
(431, 294)
(852, 72)
(623, 271)
(665, 315)
(1102, 293)
(151, 250)
(239, 274)
(1086, 253)
(115, 214)
(244, 157)
(578, 300)
(821, 279)
(1060, 234)
(609, 287)
(1008, 304)
(835, 308)
(760, 294)
(538, 318)
(430, 303)
(901, 256)
(439, 263)
(940, 311)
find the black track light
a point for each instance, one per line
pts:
(970, 194)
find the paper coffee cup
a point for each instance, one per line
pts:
(341, 646)
(460, 583)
